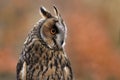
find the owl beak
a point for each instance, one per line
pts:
(59, 41)
(59, 45)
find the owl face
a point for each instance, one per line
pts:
(53, 29)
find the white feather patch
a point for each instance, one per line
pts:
(23, 72)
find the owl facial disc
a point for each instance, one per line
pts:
(53, 30)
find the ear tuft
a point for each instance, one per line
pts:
(56, 11)
(45, 13)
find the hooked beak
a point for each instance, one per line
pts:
(59, 41)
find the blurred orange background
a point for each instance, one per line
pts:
(93, 39)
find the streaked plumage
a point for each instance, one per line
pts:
(43, 56)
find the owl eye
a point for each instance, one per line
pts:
(53, 31)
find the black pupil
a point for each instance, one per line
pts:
(53, 31)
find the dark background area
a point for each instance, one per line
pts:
(93, 37)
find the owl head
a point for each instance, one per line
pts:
(53, 29)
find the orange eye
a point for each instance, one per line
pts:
(53, 31)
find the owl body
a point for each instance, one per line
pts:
(43, 56)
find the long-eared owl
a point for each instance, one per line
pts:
(43, 56)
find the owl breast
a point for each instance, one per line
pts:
(47, 64)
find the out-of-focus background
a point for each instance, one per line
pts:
(93, 42)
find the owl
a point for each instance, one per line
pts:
(43, 56)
